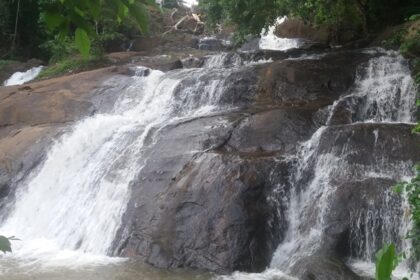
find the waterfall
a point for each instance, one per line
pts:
(20, 78)
(383, 92)
(69, 209)
(269, 40)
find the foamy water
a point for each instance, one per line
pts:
(20, 78)
(269, 41)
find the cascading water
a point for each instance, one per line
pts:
(61, 207)
(383, 92)
(269, 40)
(20, 78)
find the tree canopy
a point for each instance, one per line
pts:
(250, 16)
(83, 17)
(31, 24)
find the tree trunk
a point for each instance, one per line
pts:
(13, 48)
(363, 12)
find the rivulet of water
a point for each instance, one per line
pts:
(20, 78)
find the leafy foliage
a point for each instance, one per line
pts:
(251, 16)
(386, 262)
(411, 47)
(412, 190)
(84, 18)
(82, 42)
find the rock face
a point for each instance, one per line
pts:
(215, 189)
(212, 210)
(224, 209)
(214, 44)
(296, 28)
(361, 211)
(323, 267)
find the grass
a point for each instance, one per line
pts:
(71, 66)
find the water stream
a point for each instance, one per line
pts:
(20, 78)
(383, 92)
(269, 40)
(60, 207)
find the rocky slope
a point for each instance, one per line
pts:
(213, 193)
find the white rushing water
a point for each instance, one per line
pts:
(269, 41)
(388, 95)
(60, 210)
(386, 89)
(273, 274)
(20, 78)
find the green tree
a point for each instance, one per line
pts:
(83, 19)
(338, 15)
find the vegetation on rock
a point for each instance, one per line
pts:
(408, 41)
(386, 262)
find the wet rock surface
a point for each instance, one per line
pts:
(211, 210)
(364, 162)
(213, 191)
(323, 267)
(200, 215)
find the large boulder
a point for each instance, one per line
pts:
(214, 191)
(323, 267)
(296, 28)
(214, 44)
(207, 210)
(318, 82)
